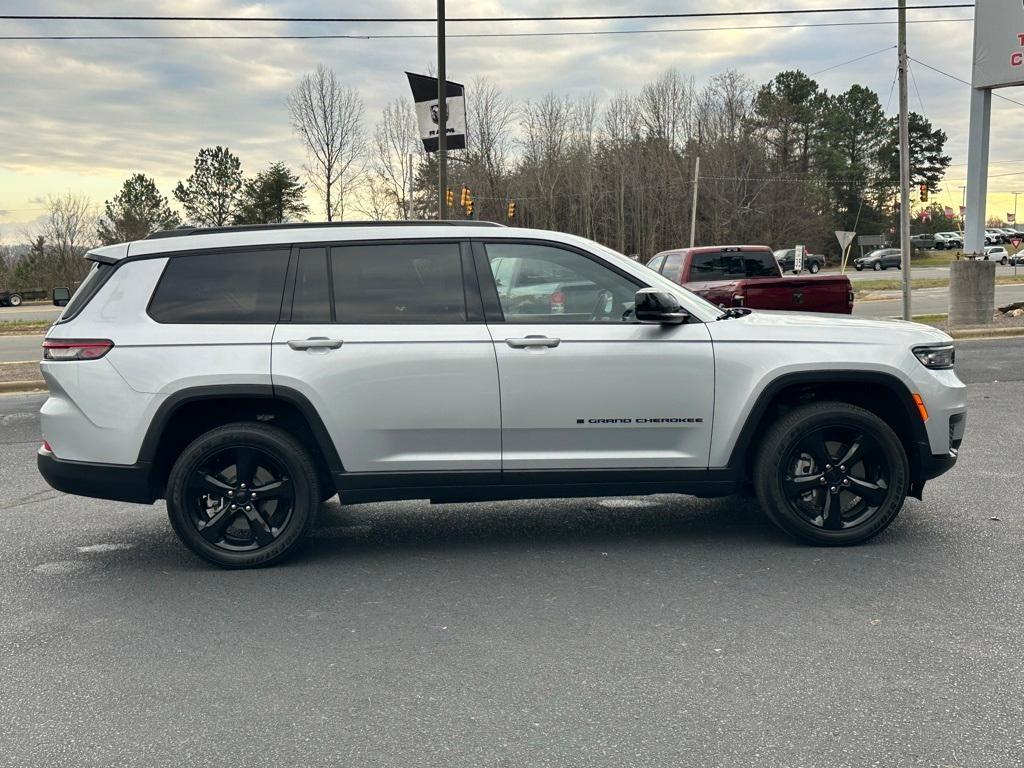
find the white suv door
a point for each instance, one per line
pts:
(390, 347)
(582, 385)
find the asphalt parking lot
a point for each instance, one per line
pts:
(649, 631)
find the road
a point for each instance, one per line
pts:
(16, 349)
(625, 632)
(928, 301)
(30, 312)
(919, 273)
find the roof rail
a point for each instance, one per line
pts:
(188, 231)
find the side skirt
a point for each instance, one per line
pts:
(452, 487)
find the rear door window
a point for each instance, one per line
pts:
(673, 266)
(398, 283)
(760, 264)
(223, 287)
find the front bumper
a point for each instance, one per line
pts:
(116, 482)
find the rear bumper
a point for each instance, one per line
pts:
(116, 482)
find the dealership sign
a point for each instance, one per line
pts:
(998, 43)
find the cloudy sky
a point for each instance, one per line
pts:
(80, 116)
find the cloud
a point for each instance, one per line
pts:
(83, 115)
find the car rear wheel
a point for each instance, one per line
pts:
(14, 300)
(1004, 261)
(831, 474)
(813, 268)
(243, 495)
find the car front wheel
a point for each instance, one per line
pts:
(831, 473)
(243, 495)
(877, 266)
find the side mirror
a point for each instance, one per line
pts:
(654, 306)
(61, 297)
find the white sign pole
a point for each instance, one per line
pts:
(798, 259)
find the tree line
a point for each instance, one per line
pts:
(781, 162)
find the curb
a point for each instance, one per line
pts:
(23, 386)
(986, 333)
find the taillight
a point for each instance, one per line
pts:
(76, 349)
(557, 303)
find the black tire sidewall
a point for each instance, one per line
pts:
(780, 440)
(286, 450)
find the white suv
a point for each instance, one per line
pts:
(247, 374)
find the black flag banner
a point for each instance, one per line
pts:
(424, 93)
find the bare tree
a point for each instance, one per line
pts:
(61, 237)
(396, 148)
(329, 118)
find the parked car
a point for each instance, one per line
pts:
(951, 241)
(883, 258)
(994, 236)
(996, 253)
(924, 242)
(1007, 233)
(245, 375)
(786, 257)
(749, 276)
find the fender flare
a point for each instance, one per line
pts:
(167, 409)
(902, 395)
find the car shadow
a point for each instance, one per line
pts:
(372, 529)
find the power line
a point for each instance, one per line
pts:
(961, 80)
(589, 33)
(471, 19)
(851, 61)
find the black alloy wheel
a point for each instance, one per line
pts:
(241, 498)
(831, 473)
(835, 477)
(243, 495)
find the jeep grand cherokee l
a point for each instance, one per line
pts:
(247, 374)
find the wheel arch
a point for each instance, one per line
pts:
(881, 393)
(190, 412)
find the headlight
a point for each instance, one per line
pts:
(939, 356)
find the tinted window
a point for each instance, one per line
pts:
(94, 280)
(312, 298)
(673, 263)
(232, 287)
(760, 264)
(398, 283)
(732, 265)
(656, 263)
(541, 283)
(706, 266)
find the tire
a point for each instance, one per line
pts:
(207, 481)
(877, 266)
(14, 300)
(792, 451)
(813, 268)
(859, 267)
(1004, 261)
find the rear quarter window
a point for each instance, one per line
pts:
(221, 287)
(94, 280)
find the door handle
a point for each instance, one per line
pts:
(315, 342)
(533, 341)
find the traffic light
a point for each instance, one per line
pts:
(464, 196)
(923, 189)
(469, 208)
(511, 209)
(450, 197)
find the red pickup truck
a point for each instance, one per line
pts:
(749, 276)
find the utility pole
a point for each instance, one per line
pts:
(693, 211)
(1015, 209)
(442, 119)
(904, 162)
(412, 184)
